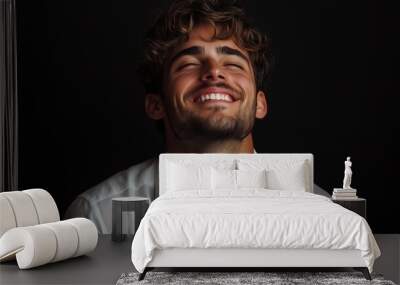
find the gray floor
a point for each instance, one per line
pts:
(110, 260)
(389, 262)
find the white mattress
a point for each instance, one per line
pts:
(252, 218)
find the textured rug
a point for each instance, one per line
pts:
(269, 278)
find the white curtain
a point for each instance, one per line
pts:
(8, 97)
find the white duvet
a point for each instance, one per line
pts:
(252, 218)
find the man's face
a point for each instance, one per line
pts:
(209, 89)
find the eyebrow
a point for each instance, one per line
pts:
(231, 51)
(195, 50)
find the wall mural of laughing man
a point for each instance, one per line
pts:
(209, 97)
(203, 71)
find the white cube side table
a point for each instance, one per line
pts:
(125, 204)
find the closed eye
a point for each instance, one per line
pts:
(187, 65)
(234, 65)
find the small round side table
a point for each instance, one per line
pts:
(125, 204)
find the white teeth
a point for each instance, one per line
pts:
(215, 96)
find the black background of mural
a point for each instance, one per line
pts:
(334, 92)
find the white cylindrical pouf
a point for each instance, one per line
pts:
(67, 239)
(23, 208)
(7, 218)
(45, 205)
(40, 244)
(87, 234)
(33, 246)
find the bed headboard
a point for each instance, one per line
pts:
(212, 159)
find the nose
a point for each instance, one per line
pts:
(212, 72)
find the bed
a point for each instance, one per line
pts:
(247, 211)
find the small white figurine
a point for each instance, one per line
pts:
(347, 174)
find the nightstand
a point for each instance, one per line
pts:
(358, 206)
(127, 204)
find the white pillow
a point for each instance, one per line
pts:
(251, 178)
(236, 179)
(224, 179)
(181, 178)
(290, 179)
(280, 174)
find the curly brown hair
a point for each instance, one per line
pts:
(174, 25)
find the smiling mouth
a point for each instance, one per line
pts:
(214, 97)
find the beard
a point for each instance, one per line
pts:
(215, 127)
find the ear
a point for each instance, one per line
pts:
(262, 106)
(154, 106)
